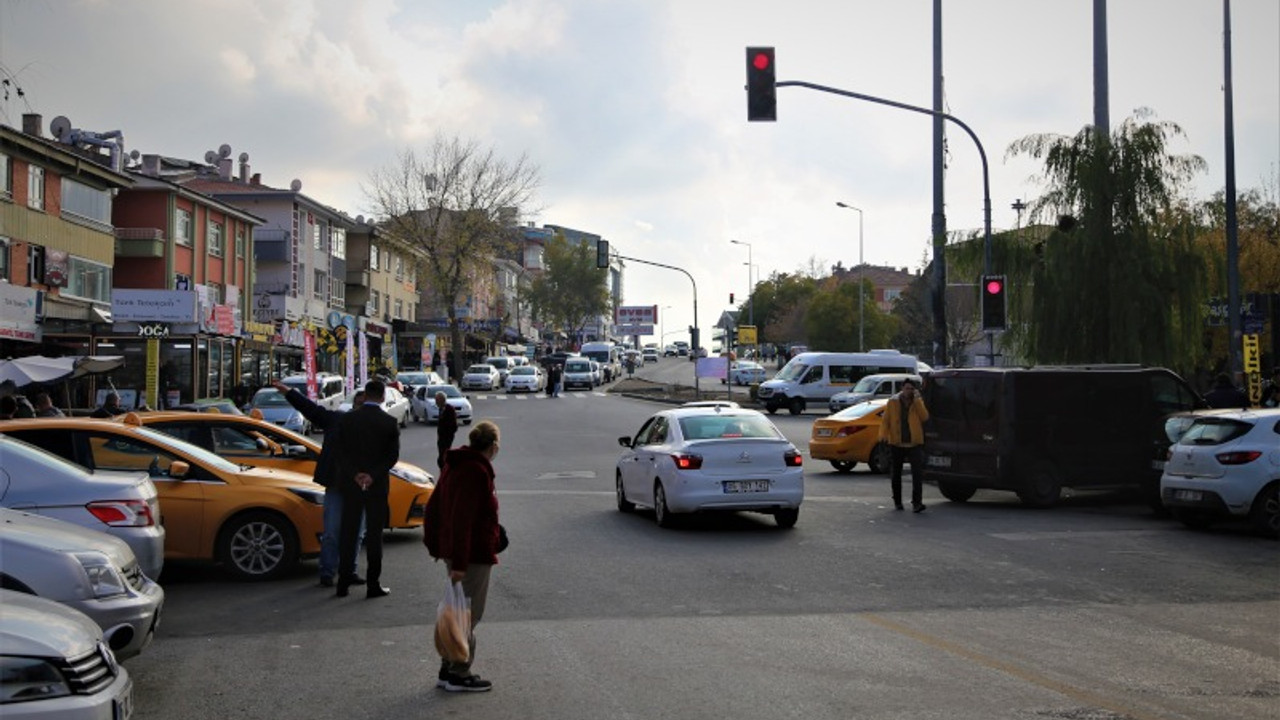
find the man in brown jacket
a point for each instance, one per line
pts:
(902, 428)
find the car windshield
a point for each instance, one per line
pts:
(577, 367)
(524, 370)
(853, 412)
(269, 399)
(412, 378)
(794, 370)
(479, 369)
(704, 427)
(448, 390)
(499, 363)
(866, 385)
(1215, 431)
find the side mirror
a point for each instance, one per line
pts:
(179, 469)
(625, 441)
(295, 451)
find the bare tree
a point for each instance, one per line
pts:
(447, 206)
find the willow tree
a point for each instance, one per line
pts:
(450, 207)
(1120, 279)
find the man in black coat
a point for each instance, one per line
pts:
(326, 474)
(446, 427)
(368, 447)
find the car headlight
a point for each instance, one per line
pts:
(104, 579)
(417, 477)
(26, 678)
(315, 497)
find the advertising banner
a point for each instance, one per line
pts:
(309, 362)
(364, 358)
(351, 361)
(153, 373)
(172, 306)
(637, 315)
(18, 313)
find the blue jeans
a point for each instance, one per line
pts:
(329, 539)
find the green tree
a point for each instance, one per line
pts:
(572, 290)
(1120, 280)
(831, 322)
(780, 302)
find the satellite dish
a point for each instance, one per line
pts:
(211, 157)
(360, 219)
(224, 150)
(61, 128)
(296, 185)
(134, 154)
(244, 157)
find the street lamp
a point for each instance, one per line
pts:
(662, 321)
(861, 271)
(751, 309)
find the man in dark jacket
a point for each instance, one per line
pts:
(1226, 395)
(446, 427)
(326, 475)
(368, 447)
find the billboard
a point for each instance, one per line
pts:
(636, 315)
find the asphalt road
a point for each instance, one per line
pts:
(1095, 610)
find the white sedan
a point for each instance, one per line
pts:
(701, 459)
(526, 378)
(424, 403)
(745, 372)
(482, 376)
(394, 403)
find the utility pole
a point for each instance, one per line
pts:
(939, 294)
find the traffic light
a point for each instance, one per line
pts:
(602, 253)
(762, 93)
(993, 302)
(730, 298)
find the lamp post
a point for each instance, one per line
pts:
(661, 323)
(861, 272)
(751, 318)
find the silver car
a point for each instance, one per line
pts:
(90, 571)
(123, 504)
(55, 664)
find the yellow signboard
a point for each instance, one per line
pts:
(746, 334)
(153, 373)
(1253, 368)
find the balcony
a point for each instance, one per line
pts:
(272, 245)
(140, 242)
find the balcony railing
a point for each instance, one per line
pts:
(140, 242)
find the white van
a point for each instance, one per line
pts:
(330, 388)
(604, 353)
(811, 378)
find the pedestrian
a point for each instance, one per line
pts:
(461, 527)
(8, 407)
(1226, 395)
(902, 427)
(556, 375)
(110, 406)
(368, 447)
(446, 427)
(1271, 391)
(44, 406)
(326, 475)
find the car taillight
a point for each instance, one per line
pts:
(122, 513)
(793, 458)
(687, 461)
(1238, 458)
(848, 430)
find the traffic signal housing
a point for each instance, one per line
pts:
(730, 298)
(994, 302)
(602, 254)
(762, 92)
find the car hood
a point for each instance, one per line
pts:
(36, 531)
(35, 627)
(277, 477)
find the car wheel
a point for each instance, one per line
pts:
(772, 409)
(881, 459)
(1043, 488)
(955, 492)
(661, 512)
(624, 505)
(1265, 514)
(844, 466)
(1194, 519)
(787, 518)
(796, 406)
(257, 546)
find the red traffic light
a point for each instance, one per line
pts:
(762, 61)
(994, 286)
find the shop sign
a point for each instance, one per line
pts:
(264, 332)
(637, 315)
(18, 313)
(377, 328)
(338, 319)
(153, 330)
(170, 306)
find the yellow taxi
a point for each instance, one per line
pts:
(250, 440)
(257, 522)
(851, 436)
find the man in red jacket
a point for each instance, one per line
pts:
(461, 528)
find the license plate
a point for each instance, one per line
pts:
(122, 707)
(824, 432)
(938, 461)
(1187, 495)
(746, 486)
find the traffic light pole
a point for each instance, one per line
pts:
(696, 340)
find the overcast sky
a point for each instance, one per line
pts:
(635, 111)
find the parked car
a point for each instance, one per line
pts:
(526, 378)
(393, 403)
(246, 440)
(851, 436)
(881, 385)
(121, 504)
(424, 403)
(220, 405)
(503, 364)
(330, 388)
(481, 377)
(56, 664)
(705, 459)
(578, 373)
(745, 372)
(271, 405)
(412, 379)
(90, 571)
(1226, 465)
(258, 522)
(650, 355)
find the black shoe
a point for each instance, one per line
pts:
(917, 507)
(443, 677)
(897, 504)
(470, 683)
(342, 590)
(377, 591)
(326, 582)
(355, 580)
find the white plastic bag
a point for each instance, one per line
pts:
(453, 625)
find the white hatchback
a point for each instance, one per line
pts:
(702, 459)
(1226, 465)
(481, 376)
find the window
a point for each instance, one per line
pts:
(375, 303)
(338, 242)
(182, 226)
(215, 239)
(316, 242)
(86, 202)
(4, 258)
(321, 283)
(891, 294)
(6, 177)
(337, 292)
(240, 243)
(35, 187)
(399, 312)
(86, 279)
(399, 264)
(217, 294)
(373, 256)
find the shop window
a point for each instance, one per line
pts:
(35, 187)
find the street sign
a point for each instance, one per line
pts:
(1253, 368)
(747, 335)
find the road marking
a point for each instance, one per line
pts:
(1072, 535)
(1009, 668)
